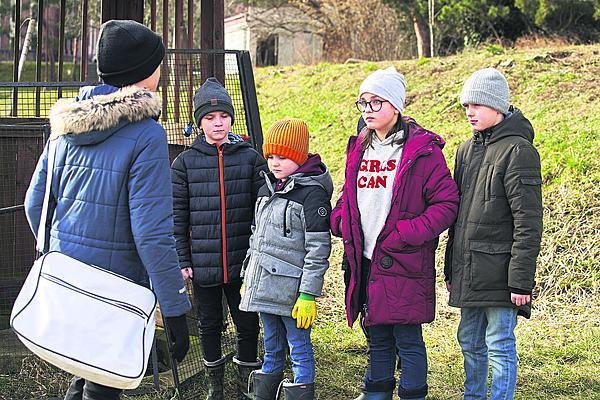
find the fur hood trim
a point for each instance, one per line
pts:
(103, 112)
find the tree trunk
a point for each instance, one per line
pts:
(422, 34)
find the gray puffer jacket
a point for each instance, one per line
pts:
(290, 243)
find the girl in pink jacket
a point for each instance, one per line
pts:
(398, 197)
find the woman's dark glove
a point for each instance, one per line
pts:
(180, 336)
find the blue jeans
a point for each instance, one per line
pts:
(486, 334)
(280, 332)
(406, 341)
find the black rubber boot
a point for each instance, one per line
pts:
(263, 386)
(379, 395)
(297, 391)
(216, 375)
(244, 370)
(378, 390)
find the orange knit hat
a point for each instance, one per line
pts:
(287, 138)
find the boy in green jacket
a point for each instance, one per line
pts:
(493, 245)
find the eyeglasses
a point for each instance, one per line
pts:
(375, 105)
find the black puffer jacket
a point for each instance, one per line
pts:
(214, 191)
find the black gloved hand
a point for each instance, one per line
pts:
(180, 336)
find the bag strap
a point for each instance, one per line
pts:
(42, 228)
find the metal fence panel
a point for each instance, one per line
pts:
(23, 131)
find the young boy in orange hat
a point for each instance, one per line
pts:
(288, 256)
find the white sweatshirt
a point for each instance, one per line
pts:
(375, 187)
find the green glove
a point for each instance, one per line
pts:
(304, 311)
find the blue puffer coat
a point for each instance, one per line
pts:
(111, 189)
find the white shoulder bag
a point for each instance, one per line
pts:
(90, 322)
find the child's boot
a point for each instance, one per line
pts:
(216, 375)
(244, 370)
(378, 395)
(297, 391)
(263, 386)
(378, 390)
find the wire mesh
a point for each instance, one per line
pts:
(24, 109)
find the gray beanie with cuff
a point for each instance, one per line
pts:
(487, 87)
(211, 96)
(388, 84)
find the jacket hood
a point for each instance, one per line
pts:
(87, 92)
(99, 111)
(312, 173)
(515, 124)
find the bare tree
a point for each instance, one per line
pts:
(349, 28)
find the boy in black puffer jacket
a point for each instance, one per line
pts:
(215, 184)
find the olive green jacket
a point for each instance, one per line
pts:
(494, 243)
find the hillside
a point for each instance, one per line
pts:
(558, 90)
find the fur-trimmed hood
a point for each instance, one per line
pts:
(91, 120)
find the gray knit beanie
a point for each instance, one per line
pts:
(388, 84)
(211, 96)
(487, 87)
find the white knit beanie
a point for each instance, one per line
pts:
(388, 84)
(487, 87)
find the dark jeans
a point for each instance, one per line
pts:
(81, 389)
(407, 341)
(209, 301)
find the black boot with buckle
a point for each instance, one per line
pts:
(216, 375)
(244, 370)
(263, 386)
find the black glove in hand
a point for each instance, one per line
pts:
(180, 336)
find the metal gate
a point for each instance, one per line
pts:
(22, 375)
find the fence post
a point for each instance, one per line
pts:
(250, 101)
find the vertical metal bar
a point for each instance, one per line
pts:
(206, 38)
(212, 27)
(84, 41)
(249, 97)
(190, 60)
(153, 15)
(174, 363)
(219, 39)
(38, 55)
(165, 67)
(155, 377)
(106, 10)
(190, 44)
(61, 43)
(15, 94)
(178, 57)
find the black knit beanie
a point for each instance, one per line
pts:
(211, 96)
(128, 52)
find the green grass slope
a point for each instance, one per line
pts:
(559, 91)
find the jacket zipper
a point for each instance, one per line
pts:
(285, 218)
(223, 215)
(259, 233)
(409, 164)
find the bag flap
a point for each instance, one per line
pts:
(96, 280)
